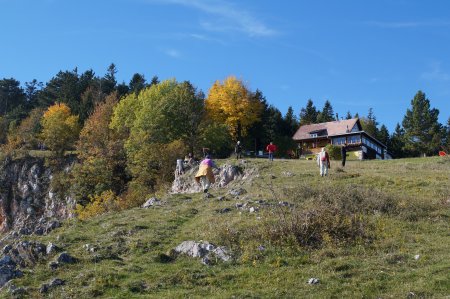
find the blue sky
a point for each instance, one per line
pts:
(356, 54)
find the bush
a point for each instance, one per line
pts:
(322, 216)
(99, 204)
(317, 226)
(334, 152)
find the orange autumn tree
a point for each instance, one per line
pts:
(230, 102)
(60, 128)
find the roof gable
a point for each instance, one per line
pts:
(332, 128)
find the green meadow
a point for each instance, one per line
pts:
(374, 229)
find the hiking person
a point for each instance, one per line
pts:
(271, 148)
(344, 153)
(238, 150)
(205, 175)
(323, 160)
(179, 170)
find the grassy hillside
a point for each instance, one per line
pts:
(359, 231)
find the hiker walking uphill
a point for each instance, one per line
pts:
(344, 154)
(323, 160)
(238, 150)
(204, 175)
(271, 148)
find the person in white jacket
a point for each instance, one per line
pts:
(323, 161)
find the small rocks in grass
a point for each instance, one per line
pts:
(151, 202)
(54, 283)
(51, 248)
(14, 290)
(313, 281)
(7, 248)
(417, 257)
(65, 258)
(287, 174)
(223, 211)
(237, 192)
(89, 248)
(253, 209)
(53, 265)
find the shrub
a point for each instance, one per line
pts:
(334, 152)
(317, 226)
(99, 204)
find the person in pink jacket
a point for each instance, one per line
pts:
(205, 175)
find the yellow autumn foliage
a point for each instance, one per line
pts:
(230, 102)
(60, 128)
(99, 204)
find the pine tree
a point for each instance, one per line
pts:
(369, 123)
(397, 142)
(137, 83)
(326, 114)
(349, 115)
(423, 132)
(309, 114)
(383, 135)
(447, 137)
(109, 81)
(291, 122)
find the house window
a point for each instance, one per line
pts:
(314, 135)
(353, 139)
(339, 140)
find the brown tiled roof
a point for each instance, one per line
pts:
(333, 128)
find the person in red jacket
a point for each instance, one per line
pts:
(271, 148)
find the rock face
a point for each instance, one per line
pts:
(27, 203)
(227, 173)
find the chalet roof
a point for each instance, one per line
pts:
(333, 128)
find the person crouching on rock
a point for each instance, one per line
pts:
(204, 175)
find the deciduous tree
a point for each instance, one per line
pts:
(101, 154)
(60, 128)
(159, 114)
(232, 103)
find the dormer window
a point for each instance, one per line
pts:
(313, 135)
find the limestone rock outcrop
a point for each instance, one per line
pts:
(27, 203)
(227, 173)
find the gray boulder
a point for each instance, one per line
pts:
(54, 283)
(208, 252)
(65, 258)
(151, 202)
(8, 270)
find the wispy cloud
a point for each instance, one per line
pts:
(435, 73)
(227, 17)
(206, 38)
(411, 24)
(173, 53)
